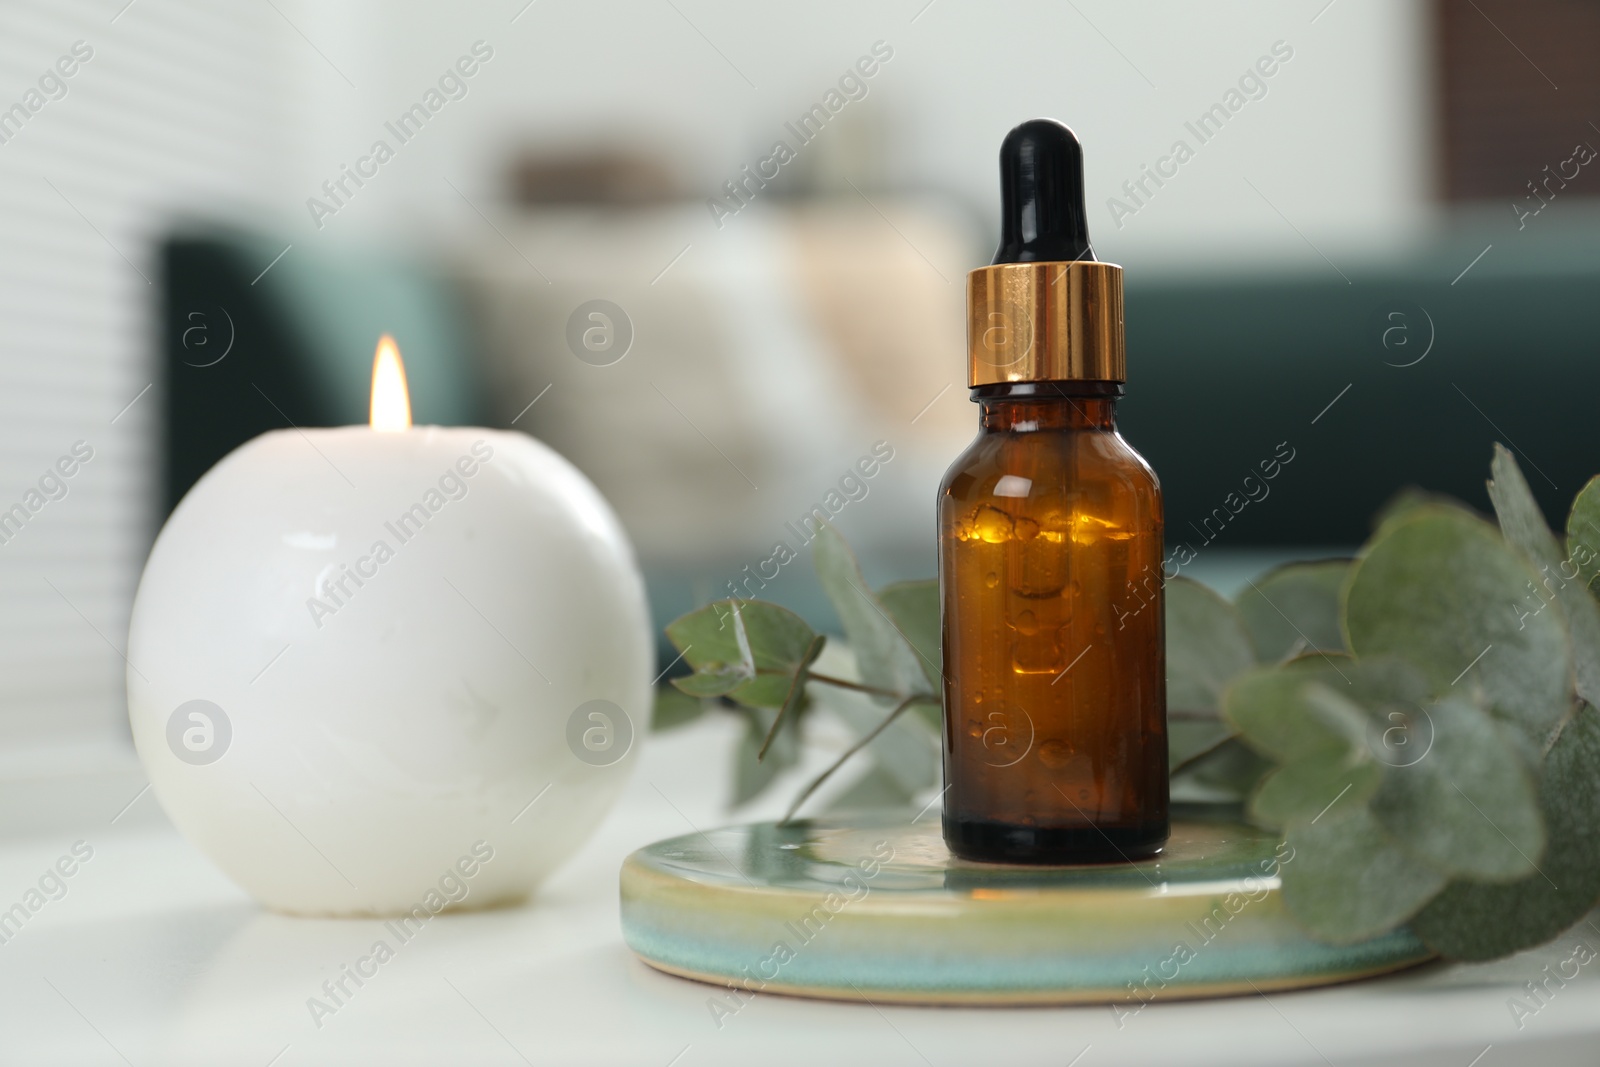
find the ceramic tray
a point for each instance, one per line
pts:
(878, 909)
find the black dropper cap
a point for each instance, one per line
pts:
(1042, 214)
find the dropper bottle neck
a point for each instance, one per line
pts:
(1026, 407)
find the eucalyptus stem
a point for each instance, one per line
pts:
(866, 739)
(860, 687)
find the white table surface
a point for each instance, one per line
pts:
(153, 957)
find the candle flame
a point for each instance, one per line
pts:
(391, 402)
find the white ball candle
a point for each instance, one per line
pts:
(372, 670)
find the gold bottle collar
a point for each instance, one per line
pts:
(1034, 322)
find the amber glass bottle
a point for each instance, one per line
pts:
(1050, 551)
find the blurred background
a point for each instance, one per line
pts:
(1375, 252)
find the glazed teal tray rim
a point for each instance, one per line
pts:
(688, 909)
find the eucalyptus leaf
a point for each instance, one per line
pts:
(1522, 523)
(1378, 682)
(1440, 588)
(1301, 791)
(1206, 646)
(884, 655)
(1338, 716)
(1583, 531)
(915, 609)
(1464, 807)
(1294, 608)
(749, 650)
(716, 682)
(1330, 722)
(1318, 734)
(674, 708)
(1472, 921)
(1346, 880)
(1521, 519)
(1395, 697)
(1269, 709)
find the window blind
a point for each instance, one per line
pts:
(117, 122)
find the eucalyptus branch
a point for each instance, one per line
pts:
(866, 739)
(1273, 658)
